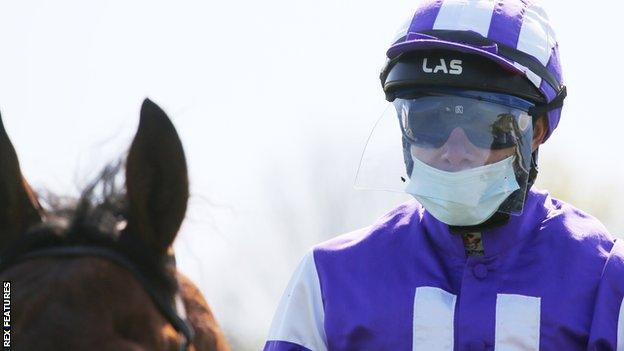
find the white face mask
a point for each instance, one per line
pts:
(466, 197)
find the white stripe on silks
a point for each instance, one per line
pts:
(300, 315)
(517, 323)
(534, 78)
(620, 328)
(456, 15)
(537, 38)
(434, 312)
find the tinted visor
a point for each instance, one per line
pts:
(490, 121)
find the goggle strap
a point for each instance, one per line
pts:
(557, 102)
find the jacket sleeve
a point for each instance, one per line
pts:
(298, 321)
(607, 331)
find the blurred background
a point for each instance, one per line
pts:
(273, 101)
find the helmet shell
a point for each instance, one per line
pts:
(517, 24)
(452, 69)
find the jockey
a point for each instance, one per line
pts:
(480, 260)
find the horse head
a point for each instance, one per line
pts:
(98, 273)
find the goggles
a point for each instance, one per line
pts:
(489, 120)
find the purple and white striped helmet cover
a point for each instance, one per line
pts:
(519, 24)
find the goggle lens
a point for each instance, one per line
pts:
(428, 121)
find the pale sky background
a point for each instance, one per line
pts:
(273, 101)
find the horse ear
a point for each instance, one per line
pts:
(19, 207)
(156, 180)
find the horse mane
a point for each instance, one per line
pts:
(97, 218)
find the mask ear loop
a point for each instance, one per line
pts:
(534, 168)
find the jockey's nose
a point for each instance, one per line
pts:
(458, 153)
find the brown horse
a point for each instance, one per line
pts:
(98, 273)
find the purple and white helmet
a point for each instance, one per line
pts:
(515, 34)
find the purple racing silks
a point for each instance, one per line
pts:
(405, 283)
(607, 331)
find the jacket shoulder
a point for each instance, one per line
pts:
(569, 223)
(392, 222)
